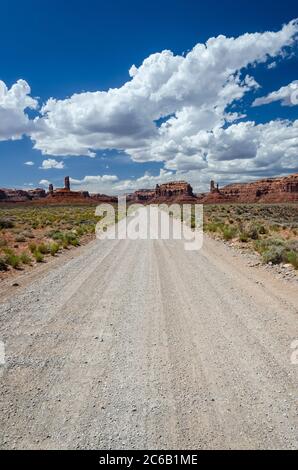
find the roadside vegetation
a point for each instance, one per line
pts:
(270, 230)
(30, 235)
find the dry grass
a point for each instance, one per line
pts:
(29, 235)
(271, 230)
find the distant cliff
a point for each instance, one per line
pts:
(174, 191)
(52, 196)
(270, 190)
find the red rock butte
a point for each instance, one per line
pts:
(269, 190)
(53, 196)
(174, 191)
(66, 193)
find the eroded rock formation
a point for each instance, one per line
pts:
(20, 195)
(66, 193)
(175, 188)
(269, 190)
(53, 196)
(283, 189)
(175, 191)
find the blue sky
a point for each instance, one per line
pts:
(64, 48)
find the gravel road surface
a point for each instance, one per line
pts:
(141, 344)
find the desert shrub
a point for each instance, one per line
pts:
(71, 239)
(8, 251)
(80, 231)
(13, 260)
(292, 245)
(263, 245)
(3, 264)
(3, 242)
(56, 235)
(274, 254)
(43, 248)
(32, 247)
(20, 239)
(38, 256)
(75, 242)
(54, 248)
(89, 229)
(253, 231)
(243, 237)
(25, 258)
(65, 244)
(292, 257)
(212, 227)
(262, 230)
(28, 234)
(6, 223)
(228, 233)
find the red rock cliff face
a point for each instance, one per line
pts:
(175, 188)
(283, 189)
(173, 192)
(19, 195)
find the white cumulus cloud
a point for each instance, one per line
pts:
(14, 122)
(288, 95)
(44, 182)
(51, 163)
(180, 110)
(188, 93)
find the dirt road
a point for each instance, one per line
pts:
(141, 344)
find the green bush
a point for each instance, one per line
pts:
(54, 248)
(80, 231)
(71, 239)
(32, 247)
(243, 237)
(25, 258)
(43, 248)
(212, 227)
(38, 256)
(65, 244)
(253, 232)
(264, 245)
(74, 242)
(274, 254)
(13, 260)
(293, 258)
(67, 238)
(56, 235)
(228, 233)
